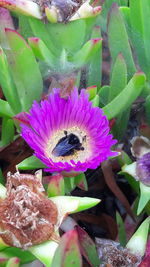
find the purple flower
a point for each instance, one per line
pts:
(143, 169)
(141, 151)
(68, 134)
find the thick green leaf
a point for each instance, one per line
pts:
(28, 8)
(81, 182)
(30, 164)
(8, 131)
(70, 204)
(3, 260)
(140, 23)
(129, 171)
(5, 109)
(42, 52)
(90, 23)
(25, 69)
(123, 2)
(56, 186)
(118, 78)
(59, 36)
(105, 9)
(95, 101)
(44, 252)
(8, 85)
(70, 184)
(137, 243)
(103, 17)
(118, 39)
(123, 158)
(144, 197)
(13, 262)
(5, 22)
(23, 255)
(86, 53)
(86, 203)
(68, 35)
(40, 30)
(24, 27)
(94, 70)
(117, 84)
(2, 245)
(132, 182)
(125, 11)
(126, 97)
(104, 94)
(92, 91)
(87, 247)
(120, 126)
(2, 180)
(121, 230)
(68, 251)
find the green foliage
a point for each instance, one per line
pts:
(88, 247)
(44, 252)
(5, 109)
(144, 197)
(25, 70)
(137, 243)
(68, 251)
(56, 186)
(62, 49)
(8, 85)
(7, 135)
(118, 39)
(121, 230)
(30, 163)
(140, 30)
(95, 67)
(126, 97)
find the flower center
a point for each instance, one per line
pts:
(69, 144)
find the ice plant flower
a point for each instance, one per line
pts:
(140, 169)
(68, 134)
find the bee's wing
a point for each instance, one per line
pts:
(62, 148)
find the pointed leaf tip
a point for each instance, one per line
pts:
(86, 203)
(28, 8)
(96, 40)
(68, 252)
(137, 243)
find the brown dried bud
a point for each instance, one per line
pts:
(112, 254)
(27, 216)
(65, 8)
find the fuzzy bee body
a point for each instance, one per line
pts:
(67, 145)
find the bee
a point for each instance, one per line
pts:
(67, 145)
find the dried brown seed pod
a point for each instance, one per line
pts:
(27, 216)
